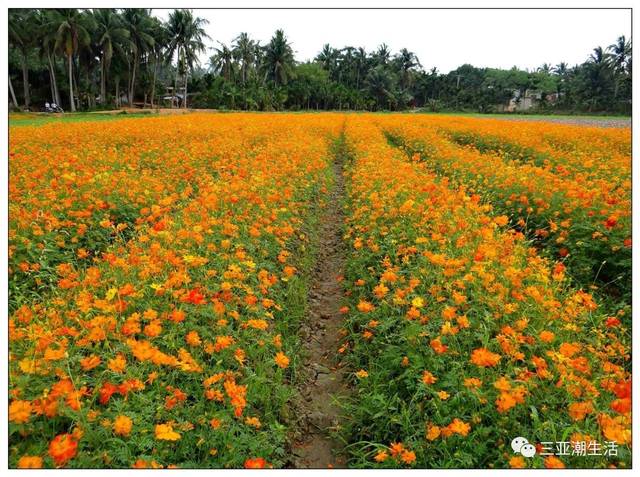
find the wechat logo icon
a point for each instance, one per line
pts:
(521, 446)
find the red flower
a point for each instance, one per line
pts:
(612, 322)
(106, 391)
(256, 463)
(195, 297)
(611, 222)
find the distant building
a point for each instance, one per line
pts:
(529, 100)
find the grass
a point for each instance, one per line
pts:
(38, 119)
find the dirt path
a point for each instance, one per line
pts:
(318, 413)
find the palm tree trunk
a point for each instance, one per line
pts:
(186, 77)
(153, 83)
(25, 81)
(53, 90)
(13, 94)
(118, 92)
(55, 81)
(103, 82)
(175, 79)
(52, 78)
(73, 104)
(133, 79)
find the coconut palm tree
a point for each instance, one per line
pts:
(222, 62)
(244, 51)
(620, 53)
(278, 61)
(406, 61)
(158, 53)
(139, 24)
(187, 42)
(382, 55)
(71, 36)
(21, 36)
(111, 35)
(45, 34)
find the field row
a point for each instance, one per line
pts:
(176, 345)
(580, 219)
(462, 335)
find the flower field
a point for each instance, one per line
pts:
(160, 268)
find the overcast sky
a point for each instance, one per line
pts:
(445, 39)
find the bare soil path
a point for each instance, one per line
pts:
(318, 413)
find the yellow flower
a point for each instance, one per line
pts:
(165, 432)
(362, 374)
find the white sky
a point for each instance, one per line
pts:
(445, 39)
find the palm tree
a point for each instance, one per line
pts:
(111, 35)
(328, 58)
(381, 84)
(187, 41)
(360, 63)
(71, 35)
(45, 34)
(222, 62)
(406, 61)
(620, 53)
(278, 59)
(244, 50)
(620, 60)
(161, 37)
(382, 55)
(599, 56)
(21, 36)
(138, 22)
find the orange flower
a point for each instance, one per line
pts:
(193, 338)
(90, 362)
(485, 358)
(546, 336)
(396, 448)
(408, 457)
(63, 448)
(381, 456)
(459, 427)
(433, 433)
(472, 383)
(428, 378)
(552, 462)
(281, 360)
(118, 364)
(365, 306)
(122, 426)
(579, 410)
(30, 462)
(20, 411)
(517, 462)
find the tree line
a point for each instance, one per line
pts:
(107, 58)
